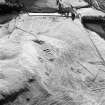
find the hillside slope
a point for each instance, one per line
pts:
(50, 60)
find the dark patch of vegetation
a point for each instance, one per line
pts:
(11, 97)
(8, 12)
(93, 19)
(96, 24)
(8, 9)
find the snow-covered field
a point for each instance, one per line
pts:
(51, 60)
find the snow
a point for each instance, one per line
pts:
(57, 54)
